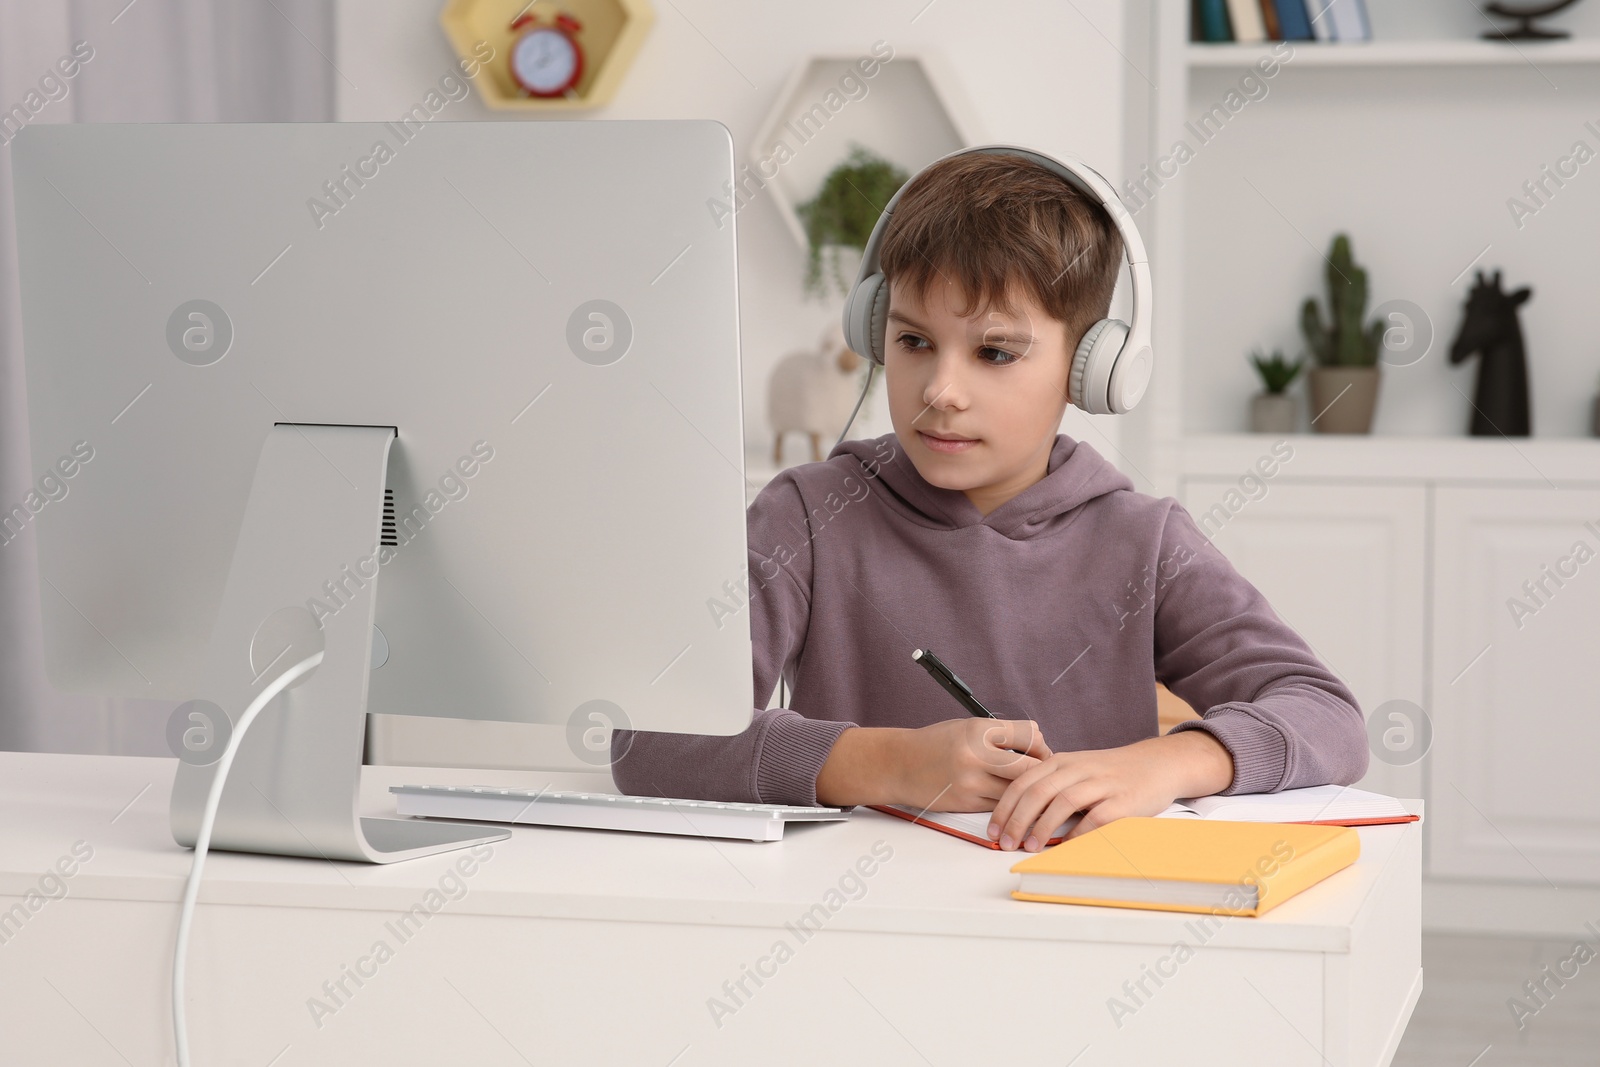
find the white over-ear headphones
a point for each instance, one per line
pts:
(1112, 365)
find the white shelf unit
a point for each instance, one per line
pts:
(1400, 53)
(1369, 459)
(911, 111)
(1411, 146)
(1394, 553)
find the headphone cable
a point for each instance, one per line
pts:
(870, 365)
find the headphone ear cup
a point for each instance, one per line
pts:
(1080, 362)
(1092, 363)
(864, 318)
(878, 318)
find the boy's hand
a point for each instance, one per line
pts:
(966, 764)
(1105, 784)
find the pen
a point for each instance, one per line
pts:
(953, 685)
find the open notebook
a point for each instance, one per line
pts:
(968, 825)
(1328, 805)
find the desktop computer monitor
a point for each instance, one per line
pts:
(457, 404)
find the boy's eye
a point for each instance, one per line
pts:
(1008, 359)
(995, 357)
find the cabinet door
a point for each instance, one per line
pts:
(1343, 565)
(1514, 791)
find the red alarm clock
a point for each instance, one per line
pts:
(546, 60)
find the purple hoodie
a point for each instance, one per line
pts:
(1066, 604)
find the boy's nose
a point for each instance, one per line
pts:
(946, 387)
(942, 392)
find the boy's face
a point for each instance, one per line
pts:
(997, 379)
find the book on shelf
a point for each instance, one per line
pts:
(1245, 17)
(1252, 21)
(1339, 20)
(1269, 19)
(1293, 22)
(1321, 21)
(1214, 26)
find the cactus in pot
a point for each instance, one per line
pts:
(1344, 384)
(1342, 341)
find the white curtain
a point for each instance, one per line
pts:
(152, 61)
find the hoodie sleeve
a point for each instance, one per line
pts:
(1286, 719)
(777, 759)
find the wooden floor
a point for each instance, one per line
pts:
(1463, 1018)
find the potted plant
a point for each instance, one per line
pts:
(1272, 410)
(841, 216)
(1344, 384)
(844, 211)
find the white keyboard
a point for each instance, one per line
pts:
(607, 811)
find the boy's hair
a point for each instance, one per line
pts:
(986, 221)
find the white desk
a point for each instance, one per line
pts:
(588, 947)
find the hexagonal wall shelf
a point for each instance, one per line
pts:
(610, 34)
(912, 112)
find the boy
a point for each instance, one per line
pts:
(1024, 558)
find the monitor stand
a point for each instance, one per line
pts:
(314, 516)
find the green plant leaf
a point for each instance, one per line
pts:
(1342, 341)
(844, 211)
(1276, 373)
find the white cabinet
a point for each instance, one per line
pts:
(1344, 566)
(1515, 770)
(1444, 574)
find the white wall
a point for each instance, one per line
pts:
(1042, 74)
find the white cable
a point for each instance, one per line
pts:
(203, 841)
(870, 367)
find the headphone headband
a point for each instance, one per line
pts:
(1112, 365)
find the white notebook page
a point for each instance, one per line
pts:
(1312, 804)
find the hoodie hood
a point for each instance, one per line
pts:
(1076, 474)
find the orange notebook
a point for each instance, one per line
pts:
(968, 825)
(1201, 865)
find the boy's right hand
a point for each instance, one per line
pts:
(965, 764)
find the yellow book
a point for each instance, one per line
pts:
(1223, 868)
